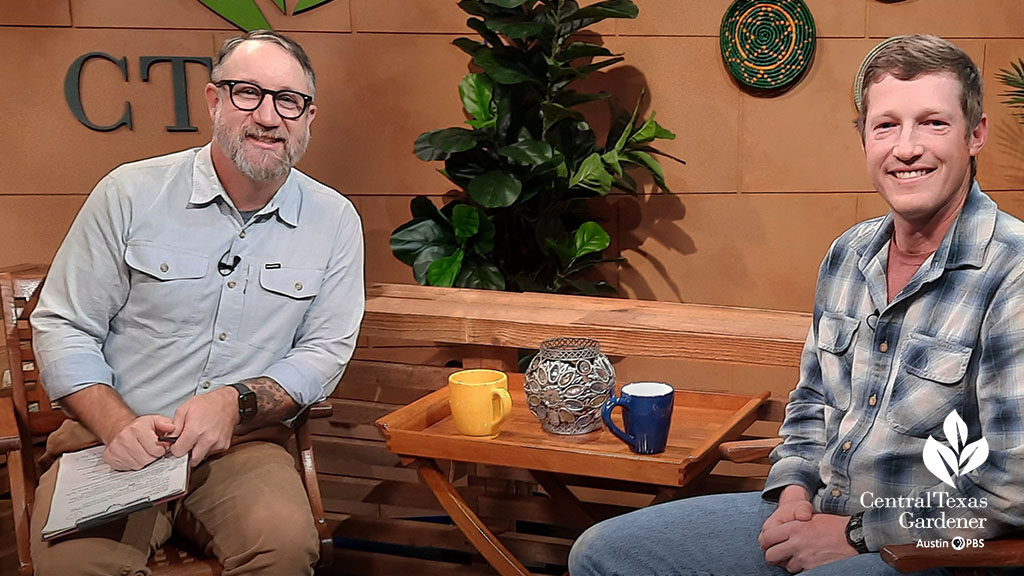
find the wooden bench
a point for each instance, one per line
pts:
(412, 337)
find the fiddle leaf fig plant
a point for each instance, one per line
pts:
(528, 162)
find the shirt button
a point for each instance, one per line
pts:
(873, 400)
(883, 347)
(836, 492)
(206, 385)
(241, 234)
(231, 284)
(164, 267)
(847, 445)
(222, 337)
(298, 286)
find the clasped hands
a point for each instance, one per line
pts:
(797, 539)
(202, 425)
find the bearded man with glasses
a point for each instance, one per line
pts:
(198, 303)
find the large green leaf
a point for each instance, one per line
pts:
(503, 65)
(590, 237)
(481, 28)
(581, 50)
(483, 276)
(495, 189)
(611, 159)
(476, 91)
(467, 45)
(483, 242)
(423, 208)
(650, 130)
(607, 9)
(443, 271)
(647, 161)
(409, 240)
(516, 30)
(426, 258)
(439, 144)
(563, 254)
(593, 175)
(466, 221)
(533, 152)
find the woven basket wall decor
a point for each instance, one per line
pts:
(767, 44)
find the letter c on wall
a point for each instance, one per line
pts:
(73, 92)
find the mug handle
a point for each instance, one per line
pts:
(506, 405)
(606, 415)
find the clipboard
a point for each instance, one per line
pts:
(89, 493)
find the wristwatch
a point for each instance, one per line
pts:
(246, 402)
(855, 533)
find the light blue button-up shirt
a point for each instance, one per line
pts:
(135, 298)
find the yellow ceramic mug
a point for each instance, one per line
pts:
(479, 401)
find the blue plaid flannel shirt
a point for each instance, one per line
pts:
(877, 379)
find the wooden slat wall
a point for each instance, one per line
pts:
(378, 506)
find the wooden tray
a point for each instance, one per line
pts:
(700, 422)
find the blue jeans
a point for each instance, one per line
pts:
(704, 536)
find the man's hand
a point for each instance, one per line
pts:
(136, 444)
(204, 424)
(794, 505)
(802, 545)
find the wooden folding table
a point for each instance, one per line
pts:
(423, 432)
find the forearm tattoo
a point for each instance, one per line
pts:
(272, 402)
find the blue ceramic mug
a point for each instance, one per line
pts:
(646, 415)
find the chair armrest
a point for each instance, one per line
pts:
(307, 465)
(748, 450)
(9, 438)
(1006, 551)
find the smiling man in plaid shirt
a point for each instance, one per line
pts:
(917, 346)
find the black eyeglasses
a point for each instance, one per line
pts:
(247, 97)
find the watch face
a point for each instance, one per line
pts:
(246, 402)
(857, 534)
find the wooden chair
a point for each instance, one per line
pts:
(28, 415)
(1000, 553)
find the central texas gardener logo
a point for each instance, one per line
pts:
(957, 459)
(247, 15)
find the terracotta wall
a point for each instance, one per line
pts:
(768, 184)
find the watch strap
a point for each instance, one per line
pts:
(246, 401)
(855, 533)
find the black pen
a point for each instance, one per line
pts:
(168, 439)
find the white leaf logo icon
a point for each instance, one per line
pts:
(940, 460)
(957, 459)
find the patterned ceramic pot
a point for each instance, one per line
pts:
(567, 383)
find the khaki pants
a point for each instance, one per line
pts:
(246, 507)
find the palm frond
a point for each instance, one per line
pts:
(1014, 80)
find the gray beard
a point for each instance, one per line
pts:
(271, 166)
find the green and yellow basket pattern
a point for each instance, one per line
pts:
(767, 44)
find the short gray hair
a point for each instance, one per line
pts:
(287, 44)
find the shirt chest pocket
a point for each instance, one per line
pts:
(166, 284)
(928, 385)
(275, 306)
(835, 356)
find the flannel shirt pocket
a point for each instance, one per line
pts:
(928, 385)
(835, 355)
